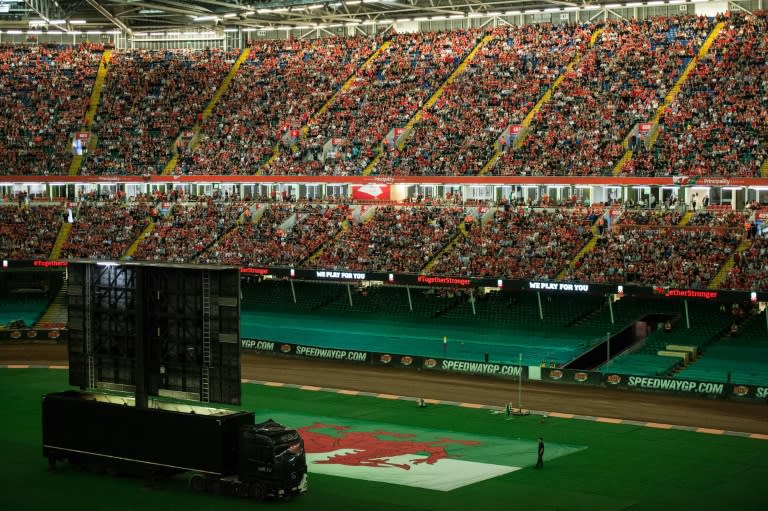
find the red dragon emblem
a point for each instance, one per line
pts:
(373, 448)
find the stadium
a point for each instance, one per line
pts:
(456, 226)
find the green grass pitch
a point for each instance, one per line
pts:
(588, 466)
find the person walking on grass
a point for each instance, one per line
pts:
(540, 459)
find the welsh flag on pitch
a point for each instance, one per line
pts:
(424, 458)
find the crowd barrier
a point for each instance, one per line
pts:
(387, 359)
(511, 371)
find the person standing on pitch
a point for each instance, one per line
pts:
(540, 459)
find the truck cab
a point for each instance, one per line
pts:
(271, 460)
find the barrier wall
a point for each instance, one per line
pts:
(33, 334)
(387, 359)
(515, 372)
(686, 387)
(412, 279)
(556, 375)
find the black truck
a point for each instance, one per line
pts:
(225, 451)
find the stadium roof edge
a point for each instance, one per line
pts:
(149, 15)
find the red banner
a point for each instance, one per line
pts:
(373, 191)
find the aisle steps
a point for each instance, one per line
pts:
(431, 101)
(347, 84)
(725, 269)
(90, 114)
(57, 313)
(220, 91)
(61, 238)
(673, 92)
(543, 100)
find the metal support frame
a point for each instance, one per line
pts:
(104, 12)
(90, 365)
(41, 7)
(410, 302)
(766, 320)
(614, 13)
(205, 384)
(541, 310)
(520, 384)
(144, 302)
(737, 7)
(610, 308)
(47, 11)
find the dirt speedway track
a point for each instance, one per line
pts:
(640, 406)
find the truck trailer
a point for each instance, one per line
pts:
(225, 451)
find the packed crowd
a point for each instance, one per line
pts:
(750, 268)
(728, 219)
(619, 82)
(519, 243)
(149, 97)
(273, 95)
(187, 230)
(105, 230)
(662, 256)
(249, 241)
(394, 239)
(652, 217)
(269, 120)
(718, 124)
(498, 88)
(284, 235)
(28, 232)
(632, 246)
(44, 94)
(385, 94)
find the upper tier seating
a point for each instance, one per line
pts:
(717, 124)
(272, 119)
(619, 82)
(44, 94)
(384, 95)
(149, 97)
(275, 92)
(498, 88)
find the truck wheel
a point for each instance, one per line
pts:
(197, 482)
(256, 491)
(214, 486)
(242, 490)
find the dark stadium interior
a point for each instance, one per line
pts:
(448, 189)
